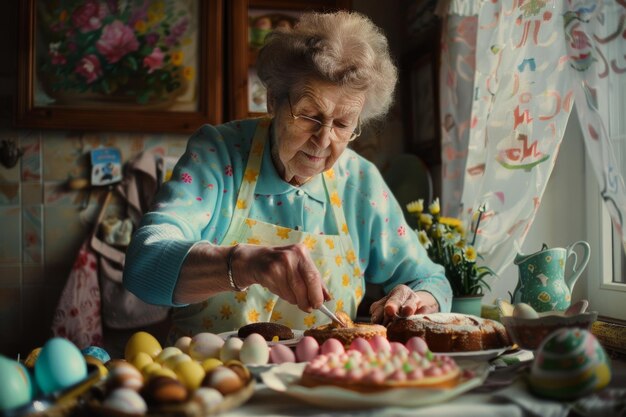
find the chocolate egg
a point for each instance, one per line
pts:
(97, 352)
(569, 363)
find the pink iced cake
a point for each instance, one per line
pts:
(375, 368)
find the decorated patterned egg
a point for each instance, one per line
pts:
(569, 363)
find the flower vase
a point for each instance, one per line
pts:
(467, 304)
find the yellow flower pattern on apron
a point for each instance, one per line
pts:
(333, 255)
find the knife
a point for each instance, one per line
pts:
(331, 315)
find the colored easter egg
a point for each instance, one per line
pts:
(569, 364)
(60, 365)
(15, 384)
(142, 342)
(97, 352)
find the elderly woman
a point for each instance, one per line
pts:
(266, 219)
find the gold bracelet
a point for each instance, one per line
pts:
(229, 271)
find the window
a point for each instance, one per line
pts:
(606, 285)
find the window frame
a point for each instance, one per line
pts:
(604, 295)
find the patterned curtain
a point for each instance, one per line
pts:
(502, 130)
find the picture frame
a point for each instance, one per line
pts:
(245, 94)
(150, 67)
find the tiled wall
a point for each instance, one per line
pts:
(43, 223)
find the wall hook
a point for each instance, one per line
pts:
(9, 153)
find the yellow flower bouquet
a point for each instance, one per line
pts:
(444, 239)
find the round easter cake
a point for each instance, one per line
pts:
(450, 332)
(382, 370)
(345, 334)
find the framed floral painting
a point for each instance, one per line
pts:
(130, 65)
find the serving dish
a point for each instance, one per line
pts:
(284, 378)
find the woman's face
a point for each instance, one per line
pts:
(300, 155)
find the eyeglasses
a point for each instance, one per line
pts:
(308, 124)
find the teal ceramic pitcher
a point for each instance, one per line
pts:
(543, 281)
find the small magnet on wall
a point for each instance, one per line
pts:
(9, 153)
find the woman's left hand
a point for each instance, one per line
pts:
(402, 301)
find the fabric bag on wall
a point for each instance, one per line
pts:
(77, 316)
(120, 308)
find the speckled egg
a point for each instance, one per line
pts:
(205, 345)
(254, 350)
(569, 363)
(97, 352)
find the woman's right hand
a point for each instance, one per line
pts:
(287, 271)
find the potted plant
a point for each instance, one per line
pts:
(445, 241)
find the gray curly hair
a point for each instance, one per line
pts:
(343, 48)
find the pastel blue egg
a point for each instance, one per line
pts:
(15, 384)
(97, 352)
(60, 365)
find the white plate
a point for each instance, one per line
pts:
(297, 335)
(476, 355)
(285, 378)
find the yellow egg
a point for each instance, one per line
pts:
(172, 361)
(141, 359)
(142, 342)
(167, 353)
(163, 372)
(150, 368)
(211, 363)
(190, 373)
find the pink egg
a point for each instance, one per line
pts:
(417, 344)
(306, 349)
(398, 348)
(362, 345)
(281, 354)
(332, 346)
(380, 344)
